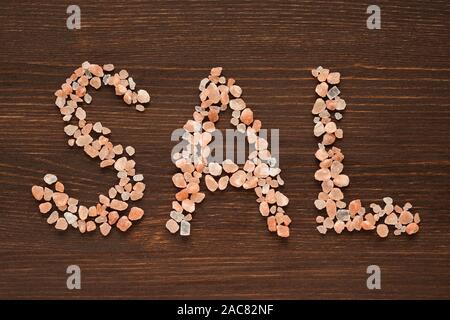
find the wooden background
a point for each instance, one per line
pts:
(395, 81)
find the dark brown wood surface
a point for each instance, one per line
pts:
(395, 81)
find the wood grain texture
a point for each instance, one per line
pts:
(395, 81)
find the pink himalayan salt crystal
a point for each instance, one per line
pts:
(322, 175)
(331, 105)
(322, 229)
(135, 213)
(59, 186)
(281, 199)
(136, 195)
(108, 67)
(327, 186)
(319, 204)
(178, 180)
(328, 223)
(354, 206)
(236, 91)
(320, 219)
(336, 194)
(118, 205)
(339, 226)
(177, 206)
(370, 218)
(45, 207)
(83, 140)
(334, 78)
(143, 96)
(322, 89)
(95, 82)
(330, 127)
(196, 197)
(331, 208)
(336, 168)
(238, 178)
(181, 195)
(341, 180)
(188, 205)
(172, 226)
(223, 182)
(211, 183)
(366, 225)
(215, 169)
(61, 224)
(357, 221)
(123, 224)
(264, 208)
(339, 133)
(48, 194)
(90, 226)
(322, 74)
(113, 216)
(286, 220)
(416, 218)
(50, 178)
(237, 104)
(321, 154)
(247, 116)
(229, 166)
(272, 224)
(96, 70)
(262, 170)
(406, 217)
(60, 199)
(216, 71)
(81, 226)
(391, 219)
(283, 231)
(106, 163)
(37, 192)
(328, 139)
(412, 228)
(53, 217)
(252, 182)
(105, 228)
(319, 106)
(382, 230)
(319, 129)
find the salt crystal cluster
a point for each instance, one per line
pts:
(259, 173)
(339, 216)
(93, 138)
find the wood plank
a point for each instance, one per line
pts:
(395, 81)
